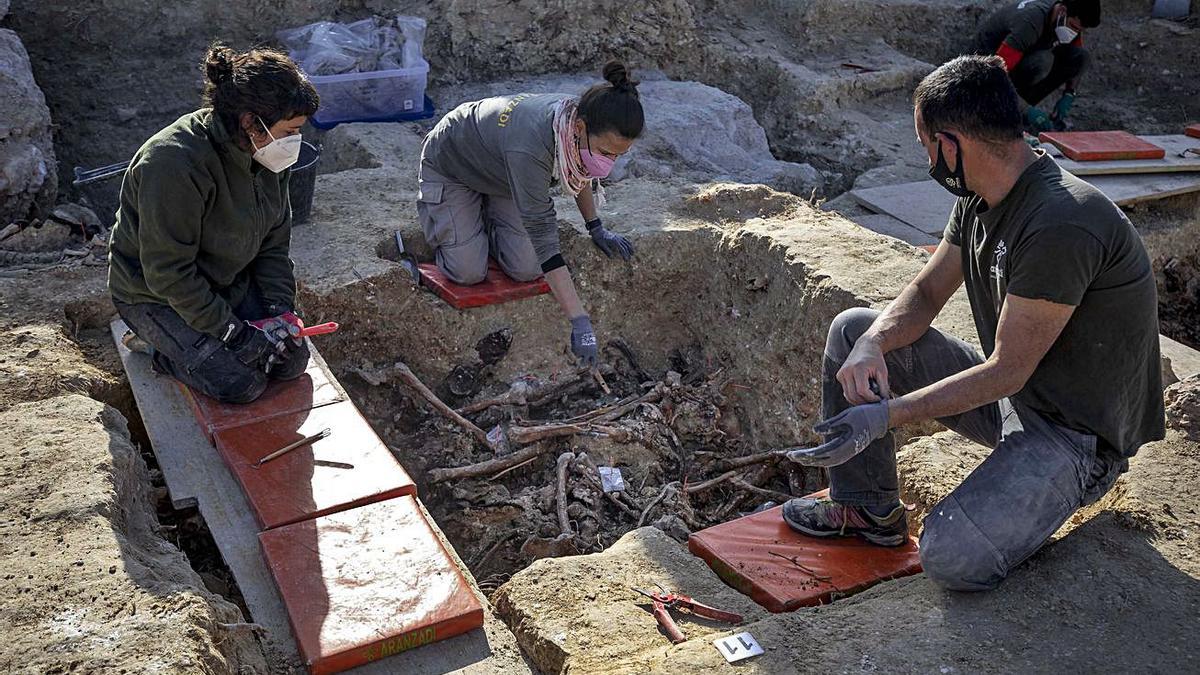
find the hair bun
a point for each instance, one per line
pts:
(618, 76)
(218, 64)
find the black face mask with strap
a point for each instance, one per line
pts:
(954, 181)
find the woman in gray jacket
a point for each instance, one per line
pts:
(485, 178)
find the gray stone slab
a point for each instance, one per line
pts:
(197, 476)
(1185, 361)
(926, 206)
(895, 228)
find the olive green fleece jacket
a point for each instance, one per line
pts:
(198, 223)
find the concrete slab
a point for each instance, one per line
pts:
(926, 206)
(784, 570)
(896, 228)
(315, 388)
(365, 584)
(348, 468)
(1185, 361)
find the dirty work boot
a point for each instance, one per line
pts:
(827, 518)
(136, 344)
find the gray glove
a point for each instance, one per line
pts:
(608, 242)
(583, 341)
(852, 430)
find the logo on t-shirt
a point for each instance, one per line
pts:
(997, 268)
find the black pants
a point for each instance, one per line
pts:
(1041, 72)
(201, 361)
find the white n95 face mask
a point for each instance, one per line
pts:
(280, 153)
(1064, 33)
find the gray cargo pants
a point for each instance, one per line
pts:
(463, 227)
(1038, 474)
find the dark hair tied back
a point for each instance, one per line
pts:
(218, 64)
(262, 82)
(618, 76)
(613, 106)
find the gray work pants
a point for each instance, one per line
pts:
(463, 227)
(1038, 474)
(1044, 71)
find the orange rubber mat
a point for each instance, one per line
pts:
(315, 388)
(368, 583)
(783, 570)
(496, 288)
(348, 468)
(1095, 146)
(1193, 130)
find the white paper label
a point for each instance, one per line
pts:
(738, 647)
(611, 480)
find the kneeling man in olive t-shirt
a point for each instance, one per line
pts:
(1069, 384)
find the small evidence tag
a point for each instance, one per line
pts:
(738, 647)
(611, 480)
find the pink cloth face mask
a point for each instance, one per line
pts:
(598, 166)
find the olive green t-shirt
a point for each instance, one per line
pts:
(1057, 238)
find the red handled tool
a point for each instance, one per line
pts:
(319, 329)
(665, 600)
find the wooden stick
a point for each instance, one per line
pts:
(600, 381)
(307, 440)
(512, 468)
(661, 496)
(761, 492)
(413, 381)
(564, 463)
(747, 460)
(711, 482)
(626, 408)
(491, 466)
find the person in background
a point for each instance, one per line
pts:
(486, 173)
(1041, 43)
(1069, 385)
(198, 258)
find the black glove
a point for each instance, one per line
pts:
(608, 242)
(249, 344)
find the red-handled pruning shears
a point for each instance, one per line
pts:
(667, 599)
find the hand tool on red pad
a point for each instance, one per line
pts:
(668, 599)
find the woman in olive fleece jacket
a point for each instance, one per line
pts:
(198, 261)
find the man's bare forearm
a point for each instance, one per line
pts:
(963, 391)
(904, 321)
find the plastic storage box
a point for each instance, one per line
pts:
(381, 94)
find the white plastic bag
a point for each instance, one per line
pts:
(369, 45)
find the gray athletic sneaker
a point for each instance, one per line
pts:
(827, 518)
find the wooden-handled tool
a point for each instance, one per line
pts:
(307, 440)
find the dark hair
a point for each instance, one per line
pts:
(971, 95)
(1088, 11)
(614, 105)
(263, 82)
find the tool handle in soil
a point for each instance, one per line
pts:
(319, 329)
(701, 609)
(668, 624)
(307, 440)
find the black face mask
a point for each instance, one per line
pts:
(954, 181)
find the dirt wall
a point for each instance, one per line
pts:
(89, 583)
